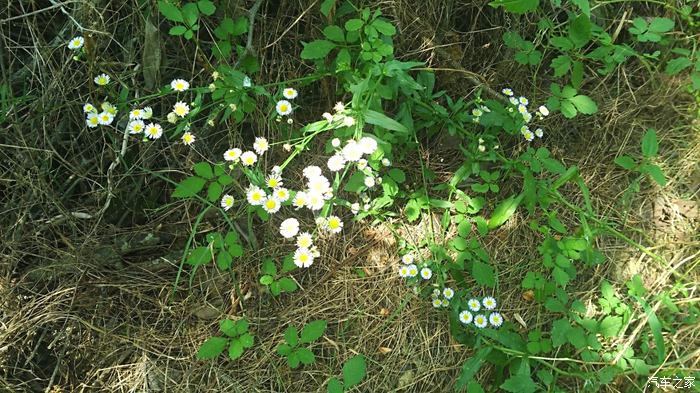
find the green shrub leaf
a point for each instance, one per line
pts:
(354, 371)
(212, 348)
(170, 11)
(504, 211)
(189, 187)
(317, 49)
(313, 331)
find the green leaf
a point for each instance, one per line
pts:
(412, 210)
(228, 327)
(242, 326)
(521, 382)
(382, 120)
(313, 331)
(287, 284)
(560, 332)
(326, 7)
(656, 173)
(293, 360)
(317, 49)
(353, 24)
(335, 386)
(384, 27)
(236, 349)
(224, 260)
(625, 162)
(561, 65)
(577, 337)
(189, 187)
(661, 25)
(247, 340)
(568, 109)
(650, 145)
(483, 274)
(214, 192)
(170, 11)
(584, 104)
(398, 175)
(266, 279)
(677, 65)
(504, 211)
(177, 30)
(610, 326)
(305, 355)
(269, 267)
(580, 30)
(204, 170)
(334, 33)
(584, 6)
(190, 13)
(284, 350)
(199, 256)
(472, 366)
(291, 336)
(354, 371)
(355, 183)
(206, 7)
(516, 6)
(212, 348)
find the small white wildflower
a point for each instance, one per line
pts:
(260, 145)
(290, 121)
(312, 171)
(247, 82)
(386, 161)
(403, 271)
(489, 302)
(328, 117)
(255, 196)
(274, 180)
(407, 259)
(522, 109)
(448, 293)
(437, 303)
(426, 273)
(539, 133)
(482, 148)
(477, 112)
(227, 202)
(352, 151)
(368, 145)
(543, 110)
(513, 100)
(315, 201)
(496, 319)
(147, 113)
(271, 205)
(289, 228)
(412, 270)
(248, 158)
(355, 208)
(181, 109)
(334, 224)
(154, 130)
(76, 43)
(93, 119)
(105, 118)
(336, 163)
(290, 93)
(303, 257)
(319, 184)
(466, 317)
(474, 305)
(480, 321)
(299, 200)
(281, 193)
(523, 101)
(188, 138)
(179, 85)
(507, 91)
(339, 107)
(305, 240)
(287, 147)
(283, 107)
(529, 136)
(335, 142)
(232, 154)
(362, 164)
(445, 303)
(171, 117)
(369, 182)
(88, 108)
(136, 114)
(102, 79)
(348, 121)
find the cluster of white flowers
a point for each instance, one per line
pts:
(94, 118)
(483, 319)
(442, 298)
(353, 152)
(284, 107)
(409, 269)
(520, 104)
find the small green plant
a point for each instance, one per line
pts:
(271, 279)
(354, 371)
(293, 351)
(186, 17)
(650, 31)
(644, 165)
(236, 338)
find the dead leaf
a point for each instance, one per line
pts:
(384, 312)
(529, 295)
(384, 350)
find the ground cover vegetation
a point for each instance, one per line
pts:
(341, 195)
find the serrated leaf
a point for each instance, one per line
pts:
(189, 187)
(650, 145)
(235, 350)
(223, 260)
(266, 280)
(204, 170)
(584, 104)
(472, 366)
(354, 371)
(317, 49)
(228, 327)
(214, 192)
(326, 7)
(313, 331)
(656, 173)
(284, 350)
(206, 7)
(384, 27)
(625, 162)
(580, 30)
(177, 30)
(661, 25)
(610, 326)
(335, 386)
(353, 24)
(170, 11)
(483, 274)
(306, 357)
(677, 65)
(334, 33)
(291, 336)
(560, 330)
(287, 284)
(247, 340)
(584, 6)
(412, 210)
(398, 175)
(199, 256)
(212, 348)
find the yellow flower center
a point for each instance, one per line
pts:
(272, 182)
(333, 223)
(179, 86)
(303, 257)
(271, 204)
(256, 196)
(304, 242)
(284, 107)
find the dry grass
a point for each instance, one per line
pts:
(82, 312)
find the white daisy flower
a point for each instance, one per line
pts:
(305, 240)
(271, 205)
(273, 180)
(283, 107)
(136, 114)
(355, 208)
(543, 110)
(319, 184)
(147, 113)
(255, 196)
(407, 259)
(522, 109)
(315, 201)
(437, 303)
(513, 100)
(107, 107)
(369, 182)
(248, 158)
(412, 270)
(303, 257)
(76, 43)
(523, 101)
(136, 127)
(386, 162)
(466, 317)
(334, 224)
(336, 163)
(362, 164)
(188, 138)
(339, 107)
(260, 145)
(524, 129)
(299, 200)
(527, 117)
(105, 118)
(474, 305)
(507, 91)
(179, 85)
(477, 112)
(88, 108)
(529, 136)
(489, 302)
(281, 193)
(480, 321)
(181, 109)
(335, 142)
(289, 228)
(448, 293)
(426, 273)
(352, 151)
(539, 133)
(172, 117)
(327, 116)
(495, 319)
(227, 202)
(101, 79)
(312, 171)
(368, 145)
(445, 303)
(290, 93)
(92, 119)
(154, 131)
(232, 154)
(348, 121)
